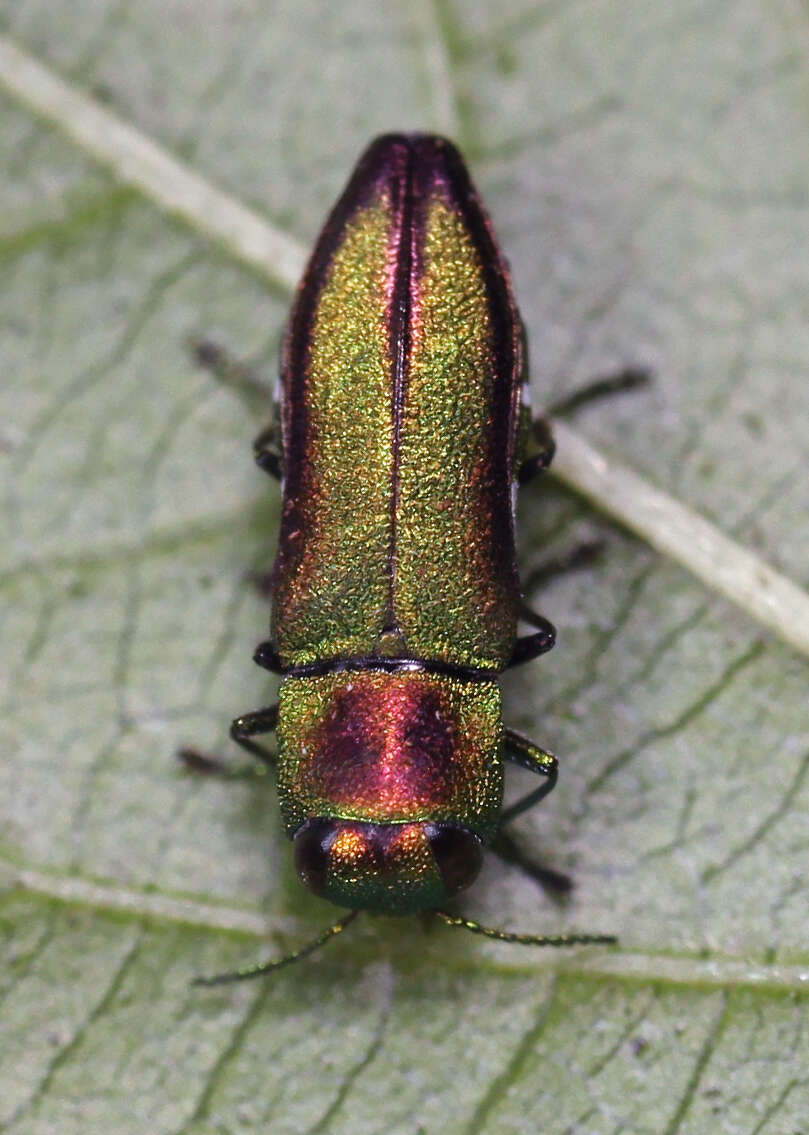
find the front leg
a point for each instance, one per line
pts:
(252, 725)
(525, 753)
(241, 730)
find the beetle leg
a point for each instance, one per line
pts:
(541, 432)
(543, 448)
(209, 764)
(556, 882)
(242, 377)
(583, 555)
(532, 645)
(521, 751)
(266, 656)
(603, 386)
(262, 581)
(267, 451)
(251, 725)
(230, 371)
(528, 755)
(241, 730)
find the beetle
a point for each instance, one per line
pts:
(404, 431)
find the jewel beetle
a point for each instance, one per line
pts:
(404, 431)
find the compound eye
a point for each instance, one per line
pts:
(458, 853)
(311, 848)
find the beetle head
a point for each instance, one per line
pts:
(390, 783)
(386, 868)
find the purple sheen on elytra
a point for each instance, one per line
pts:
(401, 380)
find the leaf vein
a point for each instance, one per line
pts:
(764, 827)
(703, 1059)
(666, 524)
(66, 1051)
(500, 1084)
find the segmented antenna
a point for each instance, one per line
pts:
(526, 939)
(268, 967)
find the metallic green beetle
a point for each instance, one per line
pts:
(396, 598)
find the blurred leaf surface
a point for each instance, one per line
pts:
(647, 169)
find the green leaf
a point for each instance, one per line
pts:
(646, 166)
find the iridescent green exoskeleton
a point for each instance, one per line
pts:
(396, 599)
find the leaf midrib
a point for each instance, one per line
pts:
(680, 968)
